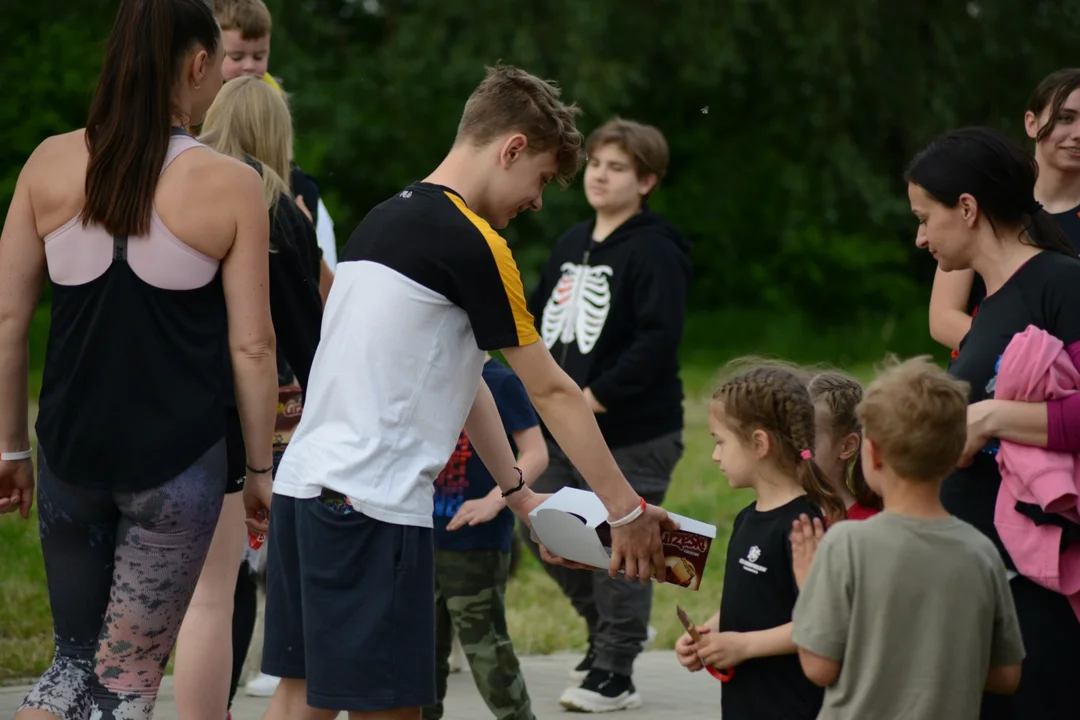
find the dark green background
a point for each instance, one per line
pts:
(789, 121)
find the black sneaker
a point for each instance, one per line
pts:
(602, 691)
(579, 673)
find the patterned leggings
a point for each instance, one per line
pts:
(121, 568)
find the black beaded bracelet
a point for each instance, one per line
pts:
(253, 471)
(521, 483)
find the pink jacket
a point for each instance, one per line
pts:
(1035, 368)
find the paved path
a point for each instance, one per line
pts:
(669, 692)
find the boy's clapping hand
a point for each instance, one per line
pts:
(805, 537)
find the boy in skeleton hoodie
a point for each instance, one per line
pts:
(610, 306)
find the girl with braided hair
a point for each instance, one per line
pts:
(763, 423)
(838, 440)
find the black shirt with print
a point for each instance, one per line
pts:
(1044, 292)
(760, 594)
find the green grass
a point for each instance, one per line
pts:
(541, 620)
(25, 619)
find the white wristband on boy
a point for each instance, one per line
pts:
(20, 455)
(634, 515)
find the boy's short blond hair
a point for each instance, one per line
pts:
(250, 17)
(645, 144)
(512, 100)
(916, 415)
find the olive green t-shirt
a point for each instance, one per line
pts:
(916, 611)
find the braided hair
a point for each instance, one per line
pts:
(775, 399)
(842, 394)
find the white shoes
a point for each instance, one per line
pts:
(458, 660)
(262, 685)
(650, 638)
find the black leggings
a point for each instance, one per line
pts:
(121, 569)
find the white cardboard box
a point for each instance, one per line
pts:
(572, 524)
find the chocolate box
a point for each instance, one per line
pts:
(572, 524)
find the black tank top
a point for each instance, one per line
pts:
(132, 390)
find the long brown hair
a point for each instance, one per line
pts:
(127, 131)
(842, 394)
(774, 399)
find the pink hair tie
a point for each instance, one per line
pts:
(806, 455)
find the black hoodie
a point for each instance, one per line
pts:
(612, 314)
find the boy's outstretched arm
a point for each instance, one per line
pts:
(636, 545)
(488, 437)
(532, 452)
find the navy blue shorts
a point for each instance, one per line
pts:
(350, 606)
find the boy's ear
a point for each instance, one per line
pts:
(876, 461)
(849, 448)
(512, 148)
(647, 184)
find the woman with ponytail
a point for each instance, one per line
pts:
(156, 251)
(972, 192)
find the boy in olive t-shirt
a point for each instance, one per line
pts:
(907, 614)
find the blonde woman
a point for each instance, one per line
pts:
(248, 121)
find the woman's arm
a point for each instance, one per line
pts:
(22, 271)
(252, 344)
(949, 321)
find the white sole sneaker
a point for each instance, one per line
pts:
(578, 676)
(649, 637)
(458, 660)
(261, 685)
(577, 700)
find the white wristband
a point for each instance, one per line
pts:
(634, 515)
(21, 455)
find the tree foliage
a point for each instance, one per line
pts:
(790, 122)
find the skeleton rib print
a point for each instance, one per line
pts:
(578, 306)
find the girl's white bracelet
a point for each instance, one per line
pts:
(20, 455)
(634, 515)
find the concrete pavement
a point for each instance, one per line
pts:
(669, 692)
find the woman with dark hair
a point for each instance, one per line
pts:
(973, 194)
(156, 251)
(1052, 121)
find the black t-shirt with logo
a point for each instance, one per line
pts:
(760, 594)
(1044, 292)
